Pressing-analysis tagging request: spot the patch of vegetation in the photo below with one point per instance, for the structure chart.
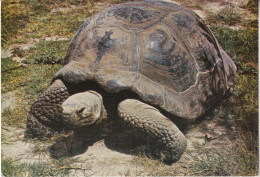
(191, 4)
(240, 45)
(59, 167)
(29, 82)
(242, 107)
(47, 52)
(152, 167)
(251, 24)
(12, 78)
(23, 77)
(213, 162)
(39, 7)
(26, 19)
(7, 63)
(221, 162)
(14, 18)
(61, 23)
(41, 148)
(17, 52)
(252, 5)
(225, 16)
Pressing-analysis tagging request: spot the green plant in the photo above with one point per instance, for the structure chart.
(60, 167)
(250, 24)
(152, 167)
(13, 19)
(26, 19)
(47, 52)
(40, 7)
(252, 5)
(213, 162)
(12, 78)
(241, 46)
(28, 83)
(17, 52)
(225, 16)
(7, 63)
(242, 107)
(40, 148)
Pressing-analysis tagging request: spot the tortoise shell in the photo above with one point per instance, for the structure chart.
(159, 50)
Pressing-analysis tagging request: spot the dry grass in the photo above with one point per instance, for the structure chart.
(252, 5)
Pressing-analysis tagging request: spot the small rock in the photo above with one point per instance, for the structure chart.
(63, 39)
(5, 53)
(18, 59)
(26, 46)
(8, 101)
(53, 38)
(200, 13)
(34, 40)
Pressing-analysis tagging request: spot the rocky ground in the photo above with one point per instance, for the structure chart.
(99, 160)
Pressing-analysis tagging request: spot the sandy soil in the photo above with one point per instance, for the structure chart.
(101, 160)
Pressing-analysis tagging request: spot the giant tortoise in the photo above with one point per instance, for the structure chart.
(147, 64)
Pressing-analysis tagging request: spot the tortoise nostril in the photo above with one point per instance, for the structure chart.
(84, 113)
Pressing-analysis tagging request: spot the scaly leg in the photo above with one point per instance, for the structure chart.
(151, 122)
(47, 111)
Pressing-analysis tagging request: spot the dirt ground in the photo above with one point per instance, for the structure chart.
(99, 160)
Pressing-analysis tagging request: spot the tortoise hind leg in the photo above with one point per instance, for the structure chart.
(147, 119)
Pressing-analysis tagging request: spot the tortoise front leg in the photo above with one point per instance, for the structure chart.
(47, 111)
(151, 122)
(57, 109)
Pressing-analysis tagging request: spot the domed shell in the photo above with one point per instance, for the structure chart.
(161, 51)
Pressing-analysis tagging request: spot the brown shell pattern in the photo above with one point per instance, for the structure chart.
(159, 50)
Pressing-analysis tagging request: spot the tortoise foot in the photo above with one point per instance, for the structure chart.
(36, 130)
